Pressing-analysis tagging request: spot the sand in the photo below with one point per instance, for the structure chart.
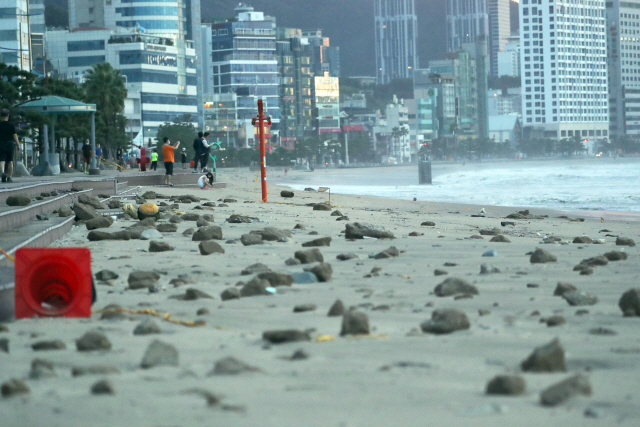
(397, 376)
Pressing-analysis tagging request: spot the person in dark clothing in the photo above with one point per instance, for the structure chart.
(86, 156)
(183, 157)
(197, 147)
(206, 149)
(8, 144)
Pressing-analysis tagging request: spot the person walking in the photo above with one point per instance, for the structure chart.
(154, 159)
(86, 156)
(206, 149)
(8, 142)
(98, 155)
(167, 154)
(184, 158)
(197, 147)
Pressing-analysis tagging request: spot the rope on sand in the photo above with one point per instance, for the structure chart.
(164, 316)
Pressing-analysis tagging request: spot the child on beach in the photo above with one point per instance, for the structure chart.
(184, 158)
(206, 181)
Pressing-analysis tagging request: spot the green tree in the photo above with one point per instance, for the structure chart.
(182, 131)
(360, 149)
(104, 86)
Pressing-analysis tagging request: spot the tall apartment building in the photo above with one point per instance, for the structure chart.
(467, 20)
(14, 34)
(326, 104)
(37, 32)
(623, 24)
(324, 57)
(149, 64)
(564, 68)
(396, 29)
(509, 58)
(244, 62)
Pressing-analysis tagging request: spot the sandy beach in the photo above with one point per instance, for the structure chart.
(397, 375)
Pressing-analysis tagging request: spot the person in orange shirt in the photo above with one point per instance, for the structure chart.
(167, 154)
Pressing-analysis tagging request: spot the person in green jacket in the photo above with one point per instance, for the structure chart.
(154, 159)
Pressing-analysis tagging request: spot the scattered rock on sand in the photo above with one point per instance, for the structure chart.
(190, 217)
(445, 321)
(390, 252)
(565, 389)
(276, 279)
(337, 309)
(193, 294)
(292, 261)
(151, 234)
(511, 385)
(147, 327)
(4, 345)
(321, 207)
(41, 368)
(301, 308)
(555, 321)
(428, 224)
(286, 193)
(630, 303)
(359, 230)
(304, 277)
(64, 212)
(255, 268)
(18, 200)
(578, 298)
(176, 219)
(159, 354)
(49, 345)
(500, 238)
(595, 261)
(201, 222)
(230, 293)
(231, 366)
(582, 239)
(454, 286)
(323, 241)
(309, 256)
(250, 239)
(96, 236)
(212, 232)
(142, 279)
(271, 234)
(495, 231)
(92, 201)
(103, 387)
(255, 287)
(540, 256)
(188, 232)
(414, 234)
(546, 358)
(209, 247)
(625, 241)
(285, 336)
(167, 228)
(336, 213)
(238, 219)
(323, 271)
(106, 275)
(525, 214)
(100, 222)
(299, 227)
(354, 323)
(488, 269)
(440, 272)
(562, 288)
(85, 212)
(616, 256)
(346, 257)
(14, 387)
(156, 246)
(92, 341)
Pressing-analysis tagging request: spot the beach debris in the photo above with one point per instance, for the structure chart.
(488, 269)
(231, 366)
(103, 387)
(146, 327)
(92, 201)
(271, 234)
(49, 345)
(41, 368)
(450, 264)
(428, 224)
(625, 241)
(546, 358)
(511, 385)
(445, 321)
(322, 241)
(322, 271)
(390, 252)
(276, 279)
(525, 214)
(286, 194)
(454, 286)
(250, 239)
(440, 272)
(208, 247)
(14, 387)
(228, 200)
(142, 279)
(230, 293)
(564, 390)
(359, 230)
(540, 256)
(148, 210)
(255, 287)
(630, 303)
(490, 253)
(309, 256)
(159, 354)
(354, 323)
(500, 239)
(505, 223)
(92, 341)
(156, 246)
(105, 275)
(337, 309)
(285, 335)
(562, 288)
(579, 298)
(301, 308)
(255, 268)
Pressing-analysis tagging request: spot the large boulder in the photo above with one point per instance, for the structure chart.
(211, 232)
(630, 302)
(100, 222)
(359, 230)
(546, 358)
(85, 212)
(92, 201)
(445, 321)
(454, 286)
(18, 200)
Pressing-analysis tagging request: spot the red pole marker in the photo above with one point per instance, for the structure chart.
(260, 120)
(143, 159)
(53, 282)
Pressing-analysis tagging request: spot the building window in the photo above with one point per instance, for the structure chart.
(80, 46)
(85, 61)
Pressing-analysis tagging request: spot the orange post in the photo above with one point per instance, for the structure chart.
(263, 159)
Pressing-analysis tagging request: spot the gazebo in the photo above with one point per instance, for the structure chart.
(60, 105)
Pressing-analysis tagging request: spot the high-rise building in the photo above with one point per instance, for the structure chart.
(14, 34)
(37, 32)
(326, 103)
(467, 20)
(324, 57)
(396, 28)
(509, 58)
(243, 60)
(564, 68)
(623, 23)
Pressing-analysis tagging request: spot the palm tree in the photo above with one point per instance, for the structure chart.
(104, 86)
(395, 134)
(404, 132)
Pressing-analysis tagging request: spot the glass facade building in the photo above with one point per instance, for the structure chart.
(396, 31)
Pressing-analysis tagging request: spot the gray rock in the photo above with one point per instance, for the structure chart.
(167, 228)
(625, 241)
(629, 303)
(150, 234)
(304, 278)
(337, 309)
(14, 387)
(323, 271)
(390, 252)
(271, 234)
(491, 253)
(202, 223)
(299, 354)
(251, 239)
(92, 201)
(309, 256)
(336, 213)
(255, 268)
(276, 279)
(562, 288)
(321, 207)
(238, 219)
(359, 230)
(78, 371)
(230, 293)
(190, 217)
(255, 287)
(156, 246)
(100, 222)
(428, 224)
(232, 366)
(85, 212)
(192, 294)
(147, 327)
(106, 275)
(18, 200)
(188, 232)
(440, 272)
(142, 279)
(176, 219)
(595, 261)
(323, 241)
(511, 385)
(299, 227)
(577, 298)
(488, 269)
(209, 204)
(454, 286)
(49, 345)
(103, 387)
(41, 368)
(286, 193)
(582, 240)
(292, 261)
(602, 331)
(354, 323)
(64, 212)
(301, 308)
(114, 204)
(209, 247)
(346, 257)
(490, 232)
(445, 321)
(159, 354)
(96, 236)
(540, 256)
(546, 358)
(566, 389)
(212, 232)
(92, 341)
(4, 345)
(230, 201)
(616, 256)
(555, 321)
(500, 239)
(285, 335)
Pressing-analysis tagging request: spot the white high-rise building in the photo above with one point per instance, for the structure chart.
(396, 33)
(564, 68)
(14, 34)
(623, 23)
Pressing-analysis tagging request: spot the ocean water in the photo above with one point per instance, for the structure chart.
(594, 184)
